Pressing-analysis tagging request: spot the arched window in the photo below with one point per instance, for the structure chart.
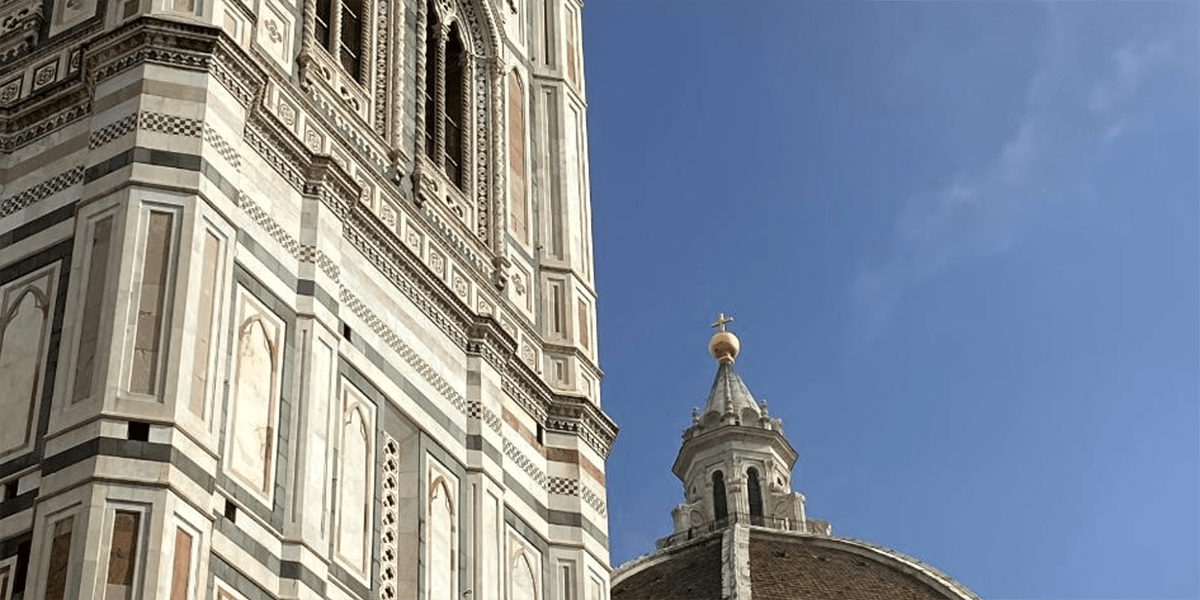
(445, 98)
(754, 493)
(339, 29)
(720, 504)
(433, 36)
(456, 59)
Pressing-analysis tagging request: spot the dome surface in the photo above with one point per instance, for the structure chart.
(688, 572)
(780, 565)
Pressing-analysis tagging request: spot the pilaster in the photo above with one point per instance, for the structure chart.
(735, 562)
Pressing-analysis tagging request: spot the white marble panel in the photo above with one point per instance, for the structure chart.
(253, 415)
(24, 329)
(356, 468)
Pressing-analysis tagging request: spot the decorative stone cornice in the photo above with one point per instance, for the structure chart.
(27, 122)
(283, 153)
(529, 391)
(176, 44)
(728, 434)
(465, 248)
(490, 341)
(580, 416)
(396, 262)
(20, 23)
(238, 73)
(332, 184)
(581, 356)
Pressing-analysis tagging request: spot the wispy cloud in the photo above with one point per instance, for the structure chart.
(985, 212)
(1131, 62)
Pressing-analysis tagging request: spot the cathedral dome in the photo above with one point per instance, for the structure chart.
(743, 532)
(780, 565)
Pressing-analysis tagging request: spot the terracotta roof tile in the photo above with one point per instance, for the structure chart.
(691, 573)
(798, 568)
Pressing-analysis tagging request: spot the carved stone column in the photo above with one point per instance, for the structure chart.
(439, 97)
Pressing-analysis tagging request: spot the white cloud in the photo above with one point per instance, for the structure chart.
(1131, 63)
(985, 212)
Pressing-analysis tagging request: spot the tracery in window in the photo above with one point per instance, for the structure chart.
(254, 404)
(524, 582)
(432, 43)
(445, 97)
(23, 334)
(453, 107)
(339, 29)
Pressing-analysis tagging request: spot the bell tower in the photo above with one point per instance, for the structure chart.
(735, 463)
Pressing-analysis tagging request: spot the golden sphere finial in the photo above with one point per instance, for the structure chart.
(723, 345)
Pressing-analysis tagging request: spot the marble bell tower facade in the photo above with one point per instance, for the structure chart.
(296, 301)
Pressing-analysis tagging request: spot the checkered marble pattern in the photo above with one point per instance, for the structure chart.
(563, 486)
(476, 410)
(105, 135)
(40, 191)
(514, 454)
(307, 253)
(286, 168)
(169, 124)
(223, 148)
(492, 419)
(312, 254)
(262, 219)
(405, 351)
(593, 499)
(326, 264)
(566, 486)
(150, 121)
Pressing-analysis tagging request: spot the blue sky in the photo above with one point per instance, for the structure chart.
(960, 241)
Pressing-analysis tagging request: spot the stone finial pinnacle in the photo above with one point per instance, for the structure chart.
(723, 345)
(722, 320)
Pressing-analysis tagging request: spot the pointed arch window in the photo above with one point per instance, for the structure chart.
(339, 29)
(446, 85)
(720, 503)
(754, 494)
